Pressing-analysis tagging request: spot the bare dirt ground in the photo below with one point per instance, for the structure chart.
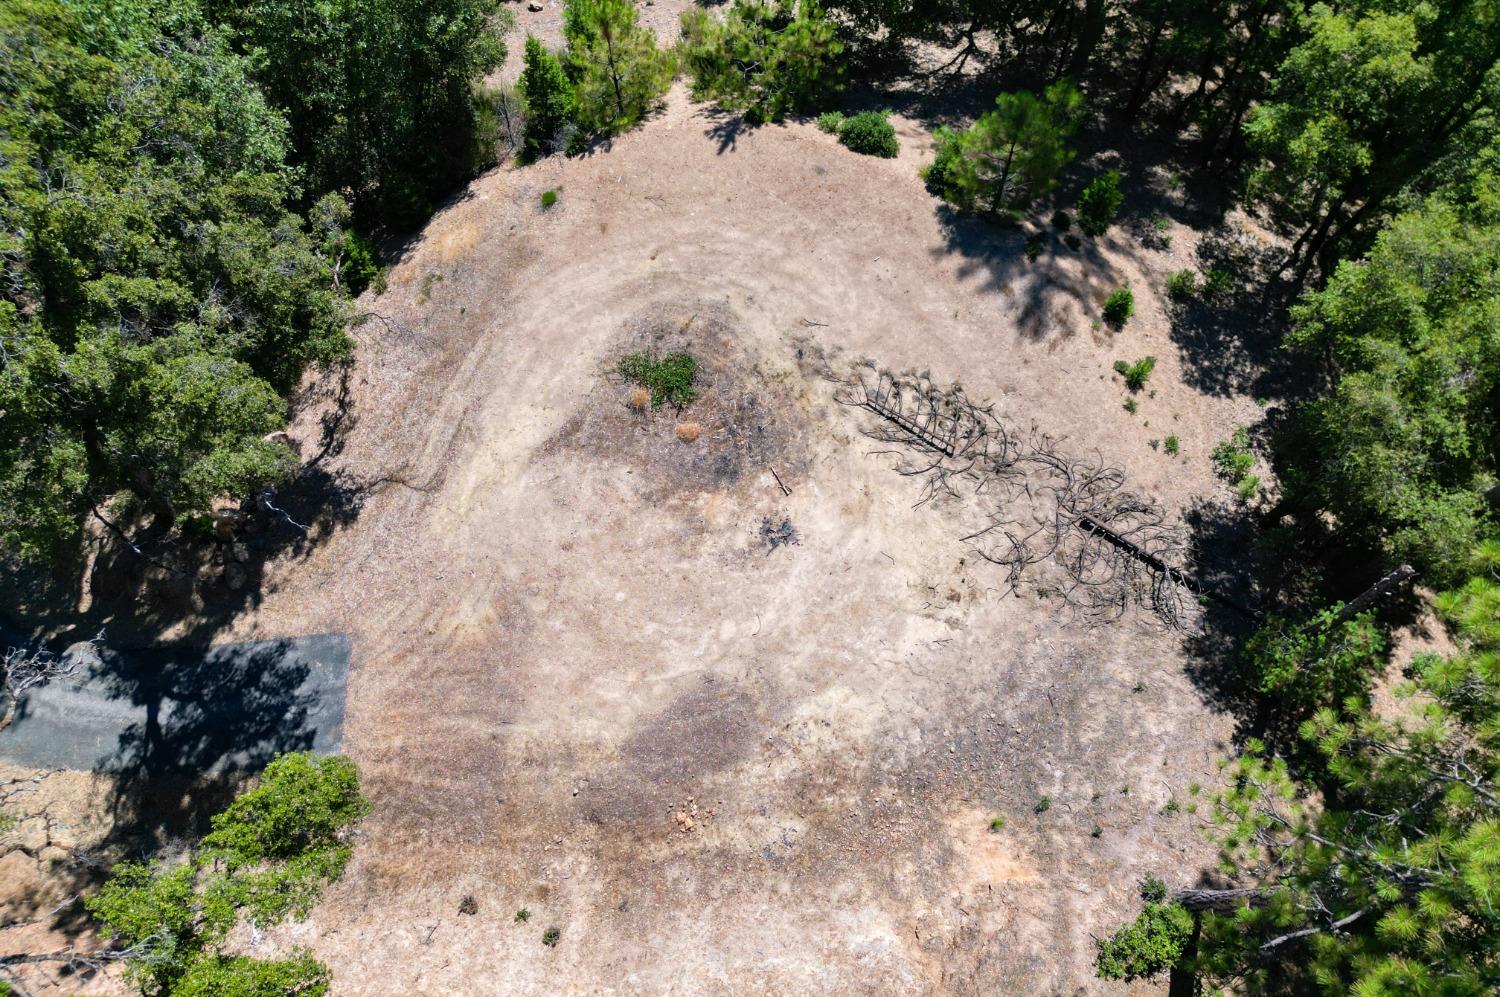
(582, 684)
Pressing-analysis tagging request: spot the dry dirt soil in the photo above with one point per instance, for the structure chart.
(584, 686)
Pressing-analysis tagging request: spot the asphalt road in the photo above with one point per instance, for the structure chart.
(228, 707)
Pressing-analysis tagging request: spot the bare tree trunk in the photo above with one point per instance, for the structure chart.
(1372, 595)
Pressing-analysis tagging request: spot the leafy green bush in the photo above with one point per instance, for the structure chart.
(1061, 220)
(1119, 306)
(669, 378)
(1042, 805)
(1216, 281)
(1136, 374)
(1099, 203)
(764, 57)
(549, 198)
(1151, 944)
(617, 72)
(548, 98)
(871, 134)
(1182, 285)
(1172, 445)
(1232, 457)
(831, 121)
(1033, 248)
(269, 854)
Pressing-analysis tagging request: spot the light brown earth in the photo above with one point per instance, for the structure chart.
(582, 685)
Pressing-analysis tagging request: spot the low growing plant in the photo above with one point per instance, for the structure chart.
(1151, 944)
(1136, 374)
(669, 378)
(869, 133)
(1099, 204)
(831, 121)
(1171, 445)
(1182, 285)
(1119, 306)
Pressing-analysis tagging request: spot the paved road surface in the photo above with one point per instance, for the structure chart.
(230, 707)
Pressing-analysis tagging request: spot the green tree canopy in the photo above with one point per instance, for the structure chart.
(767, 58)
(158, 296)
(1011, 155)
(618, 73)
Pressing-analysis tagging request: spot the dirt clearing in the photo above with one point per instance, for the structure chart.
(586, 684)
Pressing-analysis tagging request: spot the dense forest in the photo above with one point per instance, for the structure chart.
(192, 197)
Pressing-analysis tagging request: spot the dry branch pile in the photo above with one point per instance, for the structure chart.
(1039, 504)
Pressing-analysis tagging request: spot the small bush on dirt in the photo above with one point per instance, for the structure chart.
(831, 121)
(669, 378)
(1033, 248)
(549, 198)
(1042, 805)
(688, 432)
(1061, 220)
(1233, 461)
(551, 937)
(1216, 281)
(1152, 943)
(1099, 203)
(1136, 374)
(1119, 306)
(523, 915)
(1172, 445)
(547, 97)
(1182, 285)
(1131, 406)
(997, 823)
(869, 132)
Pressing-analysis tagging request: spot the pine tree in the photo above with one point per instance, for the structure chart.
(617, 71)
(549, 101)
(1011, 155)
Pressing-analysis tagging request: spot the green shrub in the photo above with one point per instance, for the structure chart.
(1042, 805)
(669, 378)
(1247, 487)
(1182, 285)
(1061, 220)
(1099, 203)
(548, 98)
(1216, 281)
(1172, 445)
(269, 854)
(1131, 406)
(1151, 944)
(1314, 663)
(997, 823)
(1136, 374)
(551, 937)
(549, 198)
(831, 121)
(938, 175)
(1232, 457)
(1119, 306)
(871, 134)
(1033, 248)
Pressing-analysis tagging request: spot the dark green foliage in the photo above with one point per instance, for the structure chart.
(1011, 155)
(1042, 805)
(379, 94)
(829, 121)
(1061, 220)
(1151, 944)
(617, 72)
(1099, 203)
(549, 198)
(1119, 306)
(1402, 449)
(1182, 285)
(1136, 374)
(548, 98)
(1171, 445)
(1232, 458)
(764, 57)
(268, 855)
(1314, 663)
(551, 937)
(870, 133)
(159, 296)
(1033, 248)
(669, 378)
(522, 916)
